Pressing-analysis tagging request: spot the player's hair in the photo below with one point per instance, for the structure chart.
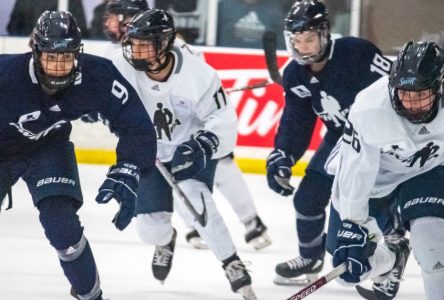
(157, 27)
(307, 15)
(124, 9)
(56, 32)
(418, 67)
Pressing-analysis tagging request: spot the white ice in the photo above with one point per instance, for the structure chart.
(29, 268)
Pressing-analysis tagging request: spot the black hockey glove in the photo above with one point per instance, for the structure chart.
(279, 166)
(192, 156)
(121, 184)
(354, 247)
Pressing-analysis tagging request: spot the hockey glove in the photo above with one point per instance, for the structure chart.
(354, 247)
(279, 166)
(121, 184)
(192, 156)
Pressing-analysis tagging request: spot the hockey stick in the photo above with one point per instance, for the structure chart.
(269, 44)
(250, 87)
(319, 283)
(201, 218)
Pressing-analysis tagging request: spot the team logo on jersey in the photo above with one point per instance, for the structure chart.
(421, 156)
(331, 110)
(36, 136)
(163, 122)
(29, 117)
(301, 91)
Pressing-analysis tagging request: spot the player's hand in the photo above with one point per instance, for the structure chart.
(192, 156)
(279, 172)
(353, 247)
(121, 184)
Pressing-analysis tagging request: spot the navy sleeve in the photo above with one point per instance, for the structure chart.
(369, 64)
(128, 119)
(297, 123)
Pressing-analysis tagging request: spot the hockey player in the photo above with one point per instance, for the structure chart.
(117, 15)
(393, 148)
(184, 97)
(322, 81)
(228, 178)
(41, 92)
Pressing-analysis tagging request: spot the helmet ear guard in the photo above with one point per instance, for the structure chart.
(56, 32)
(418, 67)
(308, 15)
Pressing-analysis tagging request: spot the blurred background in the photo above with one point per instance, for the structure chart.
(240, 23)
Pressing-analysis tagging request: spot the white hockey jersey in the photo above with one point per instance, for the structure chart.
(379, 150)
(190, 100)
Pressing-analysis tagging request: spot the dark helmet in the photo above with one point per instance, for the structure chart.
(156, 26)
(418, 67)
(56, 31)
(124, 9)
(307, 15)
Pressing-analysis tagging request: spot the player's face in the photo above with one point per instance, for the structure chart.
(57, 64)
(417, 101)
(143, 49)
(146, 49)
(306, 43)
(115, 24)
(111, 23)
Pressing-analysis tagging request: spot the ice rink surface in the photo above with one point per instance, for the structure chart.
(29, 268)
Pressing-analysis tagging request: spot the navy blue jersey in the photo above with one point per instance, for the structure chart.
(30, 119)
(352, 65)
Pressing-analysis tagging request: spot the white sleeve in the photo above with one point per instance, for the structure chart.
(218, 116)
(356, 172)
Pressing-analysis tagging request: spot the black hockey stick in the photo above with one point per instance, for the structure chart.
(201, 218)
(269, 44)
(319, 283)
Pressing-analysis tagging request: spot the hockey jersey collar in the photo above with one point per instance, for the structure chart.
(179, 60)
(332, 47)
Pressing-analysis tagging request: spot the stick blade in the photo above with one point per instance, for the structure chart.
(366, 293)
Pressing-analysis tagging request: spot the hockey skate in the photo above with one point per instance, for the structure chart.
(74, 294)
(388, 288)
(240, 280)
(193, 238)
(256, 234)
(163, 259)
(298, 271)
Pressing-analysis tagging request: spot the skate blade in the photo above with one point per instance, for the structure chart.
(298, 281)
(247, 293)
(260, 242)
(198, 243)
